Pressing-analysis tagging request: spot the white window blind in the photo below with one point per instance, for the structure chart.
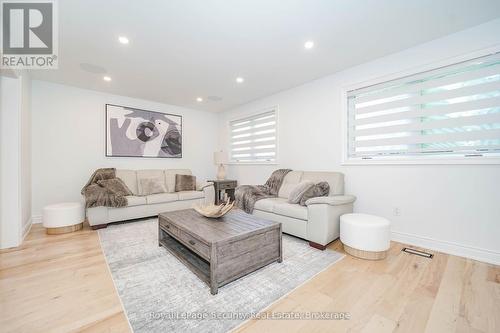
(254, 139)
(452, 111)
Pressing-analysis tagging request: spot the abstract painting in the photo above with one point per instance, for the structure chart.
(134, 132)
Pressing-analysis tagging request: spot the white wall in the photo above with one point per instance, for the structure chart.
(15, 158)
(453, 208)
(10, 161)
(69, 140)
(25, 135)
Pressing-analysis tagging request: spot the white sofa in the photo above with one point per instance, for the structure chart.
(318, 221)
(150, 205)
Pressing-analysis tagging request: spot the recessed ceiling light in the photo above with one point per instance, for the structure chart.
(107, 78)
(309, 44)
(123, 40)
(199, 99)
(239, 79)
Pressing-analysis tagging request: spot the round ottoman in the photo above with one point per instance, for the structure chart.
(365, 236)
(63, 217)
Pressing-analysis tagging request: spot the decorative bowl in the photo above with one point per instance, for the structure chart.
(214, 211)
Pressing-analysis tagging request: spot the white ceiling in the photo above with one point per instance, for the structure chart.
(182, 49)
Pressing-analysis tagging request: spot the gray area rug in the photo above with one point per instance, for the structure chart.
(159, 292)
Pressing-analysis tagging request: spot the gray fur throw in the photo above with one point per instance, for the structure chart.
(247, 195)
(321, 189)
(116, 186)
(97, 193)
(100, 174)
(274, 182)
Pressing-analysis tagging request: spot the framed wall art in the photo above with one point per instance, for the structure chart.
(132, 132)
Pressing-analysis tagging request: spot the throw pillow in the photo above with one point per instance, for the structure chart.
(115, 186)
(321, 189)
(298, 191)
(185, 183)
(152, 186)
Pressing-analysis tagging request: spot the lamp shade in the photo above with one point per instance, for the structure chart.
(220, 157)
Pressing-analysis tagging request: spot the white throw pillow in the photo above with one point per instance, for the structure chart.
(152, 186)
(298, 191)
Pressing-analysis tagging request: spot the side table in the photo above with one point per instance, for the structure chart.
(224, 185)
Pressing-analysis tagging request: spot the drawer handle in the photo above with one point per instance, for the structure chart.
(191, 242)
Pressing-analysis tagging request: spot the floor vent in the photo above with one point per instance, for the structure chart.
(417, 252)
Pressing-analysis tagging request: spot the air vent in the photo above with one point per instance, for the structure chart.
(94, 69)
(417, 252)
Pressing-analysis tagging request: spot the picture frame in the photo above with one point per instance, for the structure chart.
(134, 132)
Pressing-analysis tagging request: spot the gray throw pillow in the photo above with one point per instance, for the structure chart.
(321, 189)
(298, 191)
(185, 183)
(152, 186)
(115, 186)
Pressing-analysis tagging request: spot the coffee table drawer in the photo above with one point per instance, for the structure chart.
(194, 244)
(169, 227)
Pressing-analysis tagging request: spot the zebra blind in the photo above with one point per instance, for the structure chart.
(253, 139)
(451, 111)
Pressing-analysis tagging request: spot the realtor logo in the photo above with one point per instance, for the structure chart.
(29, 33)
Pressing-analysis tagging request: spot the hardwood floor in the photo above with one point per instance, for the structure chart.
(60, 283)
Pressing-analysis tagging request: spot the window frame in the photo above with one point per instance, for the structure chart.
(249, 115)
(408, 159)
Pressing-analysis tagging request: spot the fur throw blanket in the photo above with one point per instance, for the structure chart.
(99, 191)
(247, 195)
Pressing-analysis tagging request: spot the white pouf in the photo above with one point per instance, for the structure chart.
(63, 217)
(365, 236)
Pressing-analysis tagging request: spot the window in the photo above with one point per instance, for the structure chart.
(449, 112)
(254, 139)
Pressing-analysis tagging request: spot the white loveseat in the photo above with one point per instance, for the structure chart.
(150, 205)
(318, 221)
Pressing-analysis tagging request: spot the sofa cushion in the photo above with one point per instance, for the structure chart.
(170, 177)
(299, 190)
(185, 183)
(189, 195)
(149, 174)
(289, 182)
(267, 204)
(291, 210)
(334, 179)
(134, 200)
(129, 177)
(115, 186)
(161, 198)
(150, 186)
(320, 189)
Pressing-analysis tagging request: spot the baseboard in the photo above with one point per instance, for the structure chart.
(471, 252)
(26, 229)
(35, 219)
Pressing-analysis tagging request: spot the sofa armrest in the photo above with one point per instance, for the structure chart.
(336, 200)
(323, 214)
(208, 191)
(202, 186)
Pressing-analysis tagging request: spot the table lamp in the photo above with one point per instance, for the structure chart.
(220, 158)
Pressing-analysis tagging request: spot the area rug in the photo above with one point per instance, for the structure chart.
(160, 294)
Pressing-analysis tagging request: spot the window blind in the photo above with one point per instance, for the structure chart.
(450, 111)
(253, 139)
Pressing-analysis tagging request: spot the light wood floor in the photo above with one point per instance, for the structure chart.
(58, 283)
(61, 283)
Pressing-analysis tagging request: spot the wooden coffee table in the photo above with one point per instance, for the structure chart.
(220, 250)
